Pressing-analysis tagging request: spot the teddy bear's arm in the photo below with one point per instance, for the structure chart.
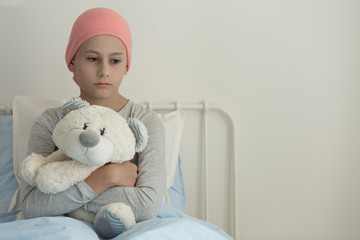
(56, 177)
(32, 163)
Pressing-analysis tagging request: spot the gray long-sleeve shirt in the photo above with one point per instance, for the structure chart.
(144, 199)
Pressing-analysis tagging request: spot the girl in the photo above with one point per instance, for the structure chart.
(99, 55)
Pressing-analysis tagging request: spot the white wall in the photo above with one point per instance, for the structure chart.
(287, 69)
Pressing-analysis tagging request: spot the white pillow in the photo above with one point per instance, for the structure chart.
(26, 109)
(173, 123)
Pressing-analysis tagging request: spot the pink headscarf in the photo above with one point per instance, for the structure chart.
(98, 21)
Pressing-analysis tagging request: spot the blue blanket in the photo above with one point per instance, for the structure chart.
(170, 224)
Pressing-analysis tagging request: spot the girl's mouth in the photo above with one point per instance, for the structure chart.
(102, 84)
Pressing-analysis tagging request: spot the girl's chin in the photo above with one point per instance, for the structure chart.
(99, 95)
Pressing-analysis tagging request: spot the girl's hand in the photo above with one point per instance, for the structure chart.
(113, 174)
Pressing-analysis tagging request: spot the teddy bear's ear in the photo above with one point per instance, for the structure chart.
(74, 103)
(140, 133)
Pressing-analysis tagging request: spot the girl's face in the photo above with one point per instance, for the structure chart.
(99, 67)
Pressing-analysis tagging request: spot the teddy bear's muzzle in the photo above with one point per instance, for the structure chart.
(89, 138)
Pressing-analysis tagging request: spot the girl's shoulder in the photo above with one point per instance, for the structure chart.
(147, 116)
(135, 110)
(49, 118)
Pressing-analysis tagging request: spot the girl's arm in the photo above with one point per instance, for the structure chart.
(113, 175)
(35, 203)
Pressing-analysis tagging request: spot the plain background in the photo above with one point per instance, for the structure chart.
(288, 70)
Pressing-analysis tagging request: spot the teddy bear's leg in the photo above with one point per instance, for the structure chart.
(82, 214)
(113, 219)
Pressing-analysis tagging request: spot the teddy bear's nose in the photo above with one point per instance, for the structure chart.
(89, 138)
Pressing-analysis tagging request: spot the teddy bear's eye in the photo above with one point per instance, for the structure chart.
(102, 131)
(85, 126)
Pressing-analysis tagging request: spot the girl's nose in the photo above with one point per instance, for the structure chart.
(104, 70)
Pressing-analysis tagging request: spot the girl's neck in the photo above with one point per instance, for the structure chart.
(116, 103)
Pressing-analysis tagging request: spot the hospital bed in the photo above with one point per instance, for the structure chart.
(200, 200)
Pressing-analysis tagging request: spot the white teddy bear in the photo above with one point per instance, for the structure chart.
(87, 137)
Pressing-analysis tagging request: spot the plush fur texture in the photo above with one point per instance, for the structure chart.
(87, 137)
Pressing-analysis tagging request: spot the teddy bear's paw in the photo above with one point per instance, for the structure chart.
(114, 219)
(30, 167)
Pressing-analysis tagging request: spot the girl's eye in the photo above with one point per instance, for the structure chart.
(102, 131)
(115, 61)
(92, 59)
(85, 126)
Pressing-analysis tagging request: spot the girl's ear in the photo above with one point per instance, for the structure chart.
(126, 70)
(72, 67)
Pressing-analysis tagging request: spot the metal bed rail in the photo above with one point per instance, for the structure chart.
(6, 109)
(205, 108)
